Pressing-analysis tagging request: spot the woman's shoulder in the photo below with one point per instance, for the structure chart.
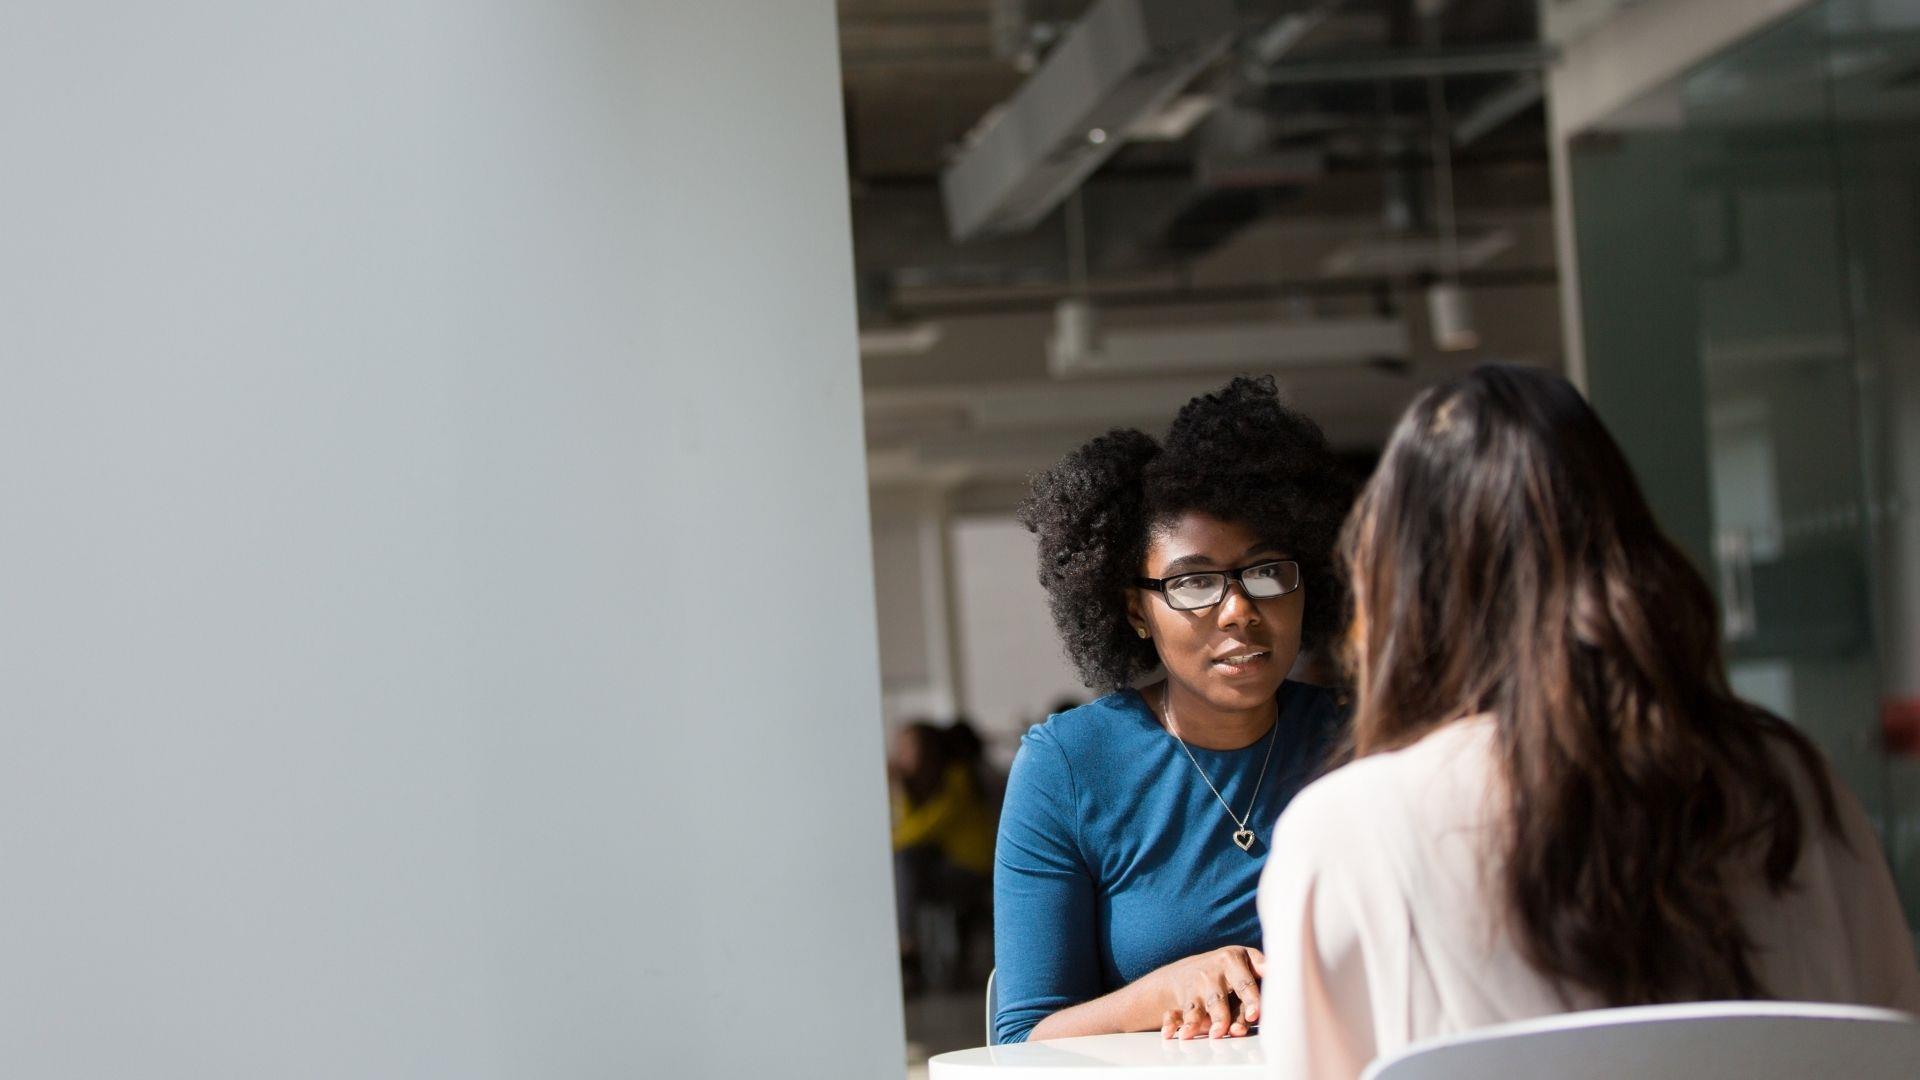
(1370, 832)
(1066, 758)
(1087, 748)
(1098, 722)
(1431, 782)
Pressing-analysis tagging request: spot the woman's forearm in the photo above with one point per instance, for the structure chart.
(1220, 989)
(1125, 1009)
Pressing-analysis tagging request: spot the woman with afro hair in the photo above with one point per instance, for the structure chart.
(1185, 577)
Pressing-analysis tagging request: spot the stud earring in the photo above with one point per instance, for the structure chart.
(1141, 630)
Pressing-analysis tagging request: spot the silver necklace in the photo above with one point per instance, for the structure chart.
(1241, 834)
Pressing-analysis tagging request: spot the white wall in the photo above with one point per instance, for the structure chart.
(914, 608)
(435, 610)
(1012, 664)
(963, 620)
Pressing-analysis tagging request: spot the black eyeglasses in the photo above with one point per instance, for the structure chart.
(1191, 592)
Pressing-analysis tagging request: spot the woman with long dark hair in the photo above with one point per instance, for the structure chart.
(1555, 802)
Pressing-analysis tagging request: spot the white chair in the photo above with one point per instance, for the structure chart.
(1719, 1040)
(993, 1006)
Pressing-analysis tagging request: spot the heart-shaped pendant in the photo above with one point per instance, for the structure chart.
(1244, 838)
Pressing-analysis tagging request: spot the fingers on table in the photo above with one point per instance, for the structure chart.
(1193, 1018)
(1207, 1012)
(1219, 1011)
(1225, 1002)
(1243, 979)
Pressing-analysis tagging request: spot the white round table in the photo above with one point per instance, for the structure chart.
(1141, 1055)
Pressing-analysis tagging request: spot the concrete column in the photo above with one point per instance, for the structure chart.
(435, 604)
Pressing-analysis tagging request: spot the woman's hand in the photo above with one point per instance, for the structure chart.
(1211, 995)
(1214, 994)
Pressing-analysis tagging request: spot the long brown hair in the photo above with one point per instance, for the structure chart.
(1504, 561)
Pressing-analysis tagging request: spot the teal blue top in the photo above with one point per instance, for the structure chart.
(1115, 859)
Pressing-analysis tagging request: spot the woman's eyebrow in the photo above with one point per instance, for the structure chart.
(1185, 562)
(1188, 562)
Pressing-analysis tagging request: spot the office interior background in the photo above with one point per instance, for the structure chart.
(483, 483)
(1703, 212)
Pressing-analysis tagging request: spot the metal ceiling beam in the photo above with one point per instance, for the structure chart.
(1499, 107)
(1491, 60)
(1043, 298)
(1120, 62)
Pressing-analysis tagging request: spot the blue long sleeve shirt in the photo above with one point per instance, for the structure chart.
(1115, 859)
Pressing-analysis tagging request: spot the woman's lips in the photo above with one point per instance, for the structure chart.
(1242, 663)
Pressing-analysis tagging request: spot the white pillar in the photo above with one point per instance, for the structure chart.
(435, 606)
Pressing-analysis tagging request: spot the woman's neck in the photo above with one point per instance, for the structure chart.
(1200, 724)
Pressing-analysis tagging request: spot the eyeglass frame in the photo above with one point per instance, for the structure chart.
(1232, 577)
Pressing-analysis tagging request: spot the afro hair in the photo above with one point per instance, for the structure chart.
(1238, 455)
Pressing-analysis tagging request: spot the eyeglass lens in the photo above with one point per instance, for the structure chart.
(1263, 582)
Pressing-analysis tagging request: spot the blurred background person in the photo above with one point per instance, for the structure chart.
(969, 752)
(942, 847)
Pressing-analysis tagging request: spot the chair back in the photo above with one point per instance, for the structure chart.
(1721, 1040)
(993, 1006)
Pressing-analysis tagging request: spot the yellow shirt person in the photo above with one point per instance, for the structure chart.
(955, 821)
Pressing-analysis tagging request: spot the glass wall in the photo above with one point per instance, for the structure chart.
(1749, 247)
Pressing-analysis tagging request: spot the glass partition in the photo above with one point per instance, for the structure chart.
(1749, 247)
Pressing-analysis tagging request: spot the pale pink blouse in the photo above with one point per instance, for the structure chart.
(1380, 913)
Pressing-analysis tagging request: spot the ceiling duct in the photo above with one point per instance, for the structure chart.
(1122, 62)
(1238, 176)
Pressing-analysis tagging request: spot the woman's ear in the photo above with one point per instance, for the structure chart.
(1136, 614)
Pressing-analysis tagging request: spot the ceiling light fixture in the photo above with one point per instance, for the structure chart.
(1450, 317)
(1080, 347)
(911, 339)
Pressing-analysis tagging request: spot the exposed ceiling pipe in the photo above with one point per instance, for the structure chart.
(1449, 313)
(1497, 108)
(1046, 298)
(1496, 60)
(1010, 27)
(1283, 34)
